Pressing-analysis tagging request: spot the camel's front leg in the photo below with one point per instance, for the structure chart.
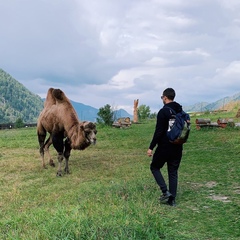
(67, 151)
(57, 140)
(60, 158)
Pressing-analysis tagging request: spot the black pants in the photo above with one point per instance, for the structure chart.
(171, 156)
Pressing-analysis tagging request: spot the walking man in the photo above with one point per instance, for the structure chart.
(166, 152)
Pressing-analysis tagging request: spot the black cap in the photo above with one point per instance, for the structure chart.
(169, 93)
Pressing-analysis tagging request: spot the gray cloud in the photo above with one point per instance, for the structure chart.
(113, 52)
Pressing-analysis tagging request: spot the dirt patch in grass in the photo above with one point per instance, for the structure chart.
(214, 197)
(237, 190)
(224, 199)
(211, 184)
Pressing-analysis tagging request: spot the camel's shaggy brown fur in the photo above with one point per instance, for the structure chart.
(60, 120)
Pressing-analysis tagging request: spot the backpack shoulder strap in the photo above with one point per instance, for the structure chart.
(170, 109)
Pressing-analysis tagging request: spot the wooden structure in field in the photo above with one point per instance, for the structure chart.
(122, 123)
(221, 122)
(135, 111)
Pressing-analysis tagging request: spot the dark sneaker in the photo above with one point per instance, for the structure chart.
(165, 196)
(171, 202)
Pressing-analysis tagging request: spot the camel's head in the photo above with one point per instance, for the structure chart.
(90, 131)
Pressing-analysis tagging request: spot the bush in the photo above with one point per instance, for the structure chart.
(19, 123)
(106, 115)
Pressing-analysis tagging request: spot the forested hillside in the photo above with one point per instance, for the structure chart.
(16, 101)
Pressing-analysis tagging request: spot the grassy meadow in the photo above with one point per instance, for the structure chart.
(111, 194)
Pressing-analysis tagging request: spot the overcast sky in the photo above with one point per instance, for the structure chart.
(114, 51)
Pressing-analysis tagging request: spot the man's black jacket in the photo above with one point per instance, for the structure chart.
(160, 134)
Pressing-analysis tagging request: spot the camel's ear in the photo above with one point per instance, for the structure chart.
(89, 125)
(92, 125)
(81, 127)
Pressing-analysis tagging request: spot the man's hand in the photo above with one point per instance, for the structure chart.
(149, 152)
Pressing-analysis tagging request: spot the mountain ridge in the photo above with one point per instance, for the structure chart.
(16, 101)
(217, 105)
(89, 113)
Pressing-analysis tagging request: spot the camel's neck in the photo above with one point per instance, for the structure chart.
(69, 118)
(77, 137)
(71, 125)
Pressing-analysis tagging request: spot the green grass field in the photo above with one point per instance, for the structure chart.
(111, 194)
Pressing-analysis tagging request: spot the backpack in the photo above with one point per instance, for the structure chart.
(178, 127)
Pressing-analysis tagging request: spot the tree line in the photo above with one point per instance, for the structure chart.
(106, 114)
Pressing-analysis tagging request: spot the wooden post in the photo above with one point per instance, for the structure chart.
(135, 111)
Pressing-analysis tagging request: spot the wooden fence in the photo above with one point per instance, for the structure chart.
(11, 125)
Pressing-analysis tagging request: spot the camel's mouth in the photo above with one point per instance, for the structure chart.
(91, 140)
(90, 135)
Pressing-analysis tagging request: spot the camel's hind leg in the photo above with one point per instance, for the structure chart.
(46, 150)
(41, 139)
